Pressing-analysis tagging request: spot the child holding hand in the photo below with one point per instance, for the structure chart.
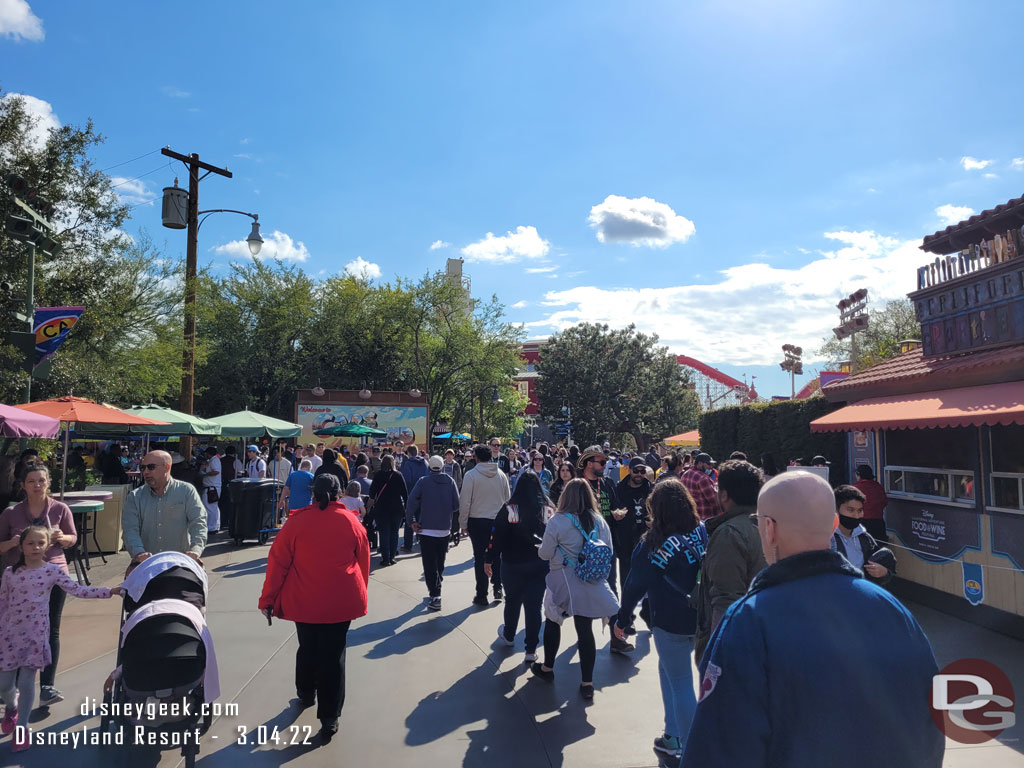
(25, 625)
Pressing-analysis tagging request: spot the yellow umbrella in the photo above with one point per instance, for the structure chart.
(691, 438)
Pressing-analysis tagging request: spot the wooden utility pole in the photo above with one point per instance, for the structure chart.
(188, 368)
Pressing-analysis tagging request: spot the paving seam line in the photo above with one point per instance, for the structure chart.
(515, 693)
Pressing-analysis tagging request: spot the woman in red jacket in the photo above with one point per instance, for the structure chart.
(317, 572)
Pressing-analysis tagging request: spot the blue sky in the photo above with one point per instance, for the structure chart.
(720, 172)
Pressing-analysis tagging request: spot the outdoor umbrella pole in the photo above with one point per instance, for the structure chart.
(64, 462)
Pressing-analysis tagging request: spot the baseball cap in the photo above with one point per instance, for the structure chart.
(252, 448)
(636, 461)
(703, 457)
(436, 463)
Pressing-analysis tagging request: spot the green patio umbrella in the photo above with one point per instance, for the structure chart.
(251, 424)
(350, 430)
(178, 423)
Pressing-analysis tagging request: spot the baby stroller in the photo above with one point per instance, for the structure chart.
(163, 680)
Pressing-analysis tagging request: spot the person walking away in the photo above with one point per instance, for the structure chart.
(576, 526)
(163, 514)
(413, 468)
(592, 463)
(484, 491)
(875, 502)
(318, 569)
(853, 542)
(431, 512)
(518, 530)
(353, 499)
(211, 473)
(734, 554)
(298, 488)
(700, 485)
(666, 563)
(39, 508)
(330, 465)
(363, 478)
(389, 496)
(230, 468)
(798, 660)
(25, 598)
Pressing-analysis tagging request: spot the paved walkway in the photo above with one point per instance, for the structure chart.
(423, 688)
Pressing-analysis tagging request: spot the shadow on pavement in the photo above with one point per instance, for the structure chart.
(418, 635)
(242, 569)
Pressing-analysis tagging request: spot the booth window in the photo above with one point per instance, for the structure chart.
(931, 464)
(1007, 476)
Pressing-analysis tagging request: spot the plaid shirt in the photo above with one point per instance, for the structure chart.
(704, 493)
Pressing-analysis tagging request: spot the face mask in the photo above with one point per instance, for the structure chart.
(849, 523)
(709, 472)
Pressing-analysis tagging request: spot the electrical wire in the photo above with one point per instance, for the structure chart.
(118, 165)
(141, 175)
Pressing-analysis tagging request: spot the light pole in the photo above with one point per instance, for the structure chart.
(793, 364)
(852, 320)
(174, 217)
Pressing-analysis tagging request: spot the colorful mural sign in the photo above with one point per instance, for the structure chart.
(51, 326)
(405, 425)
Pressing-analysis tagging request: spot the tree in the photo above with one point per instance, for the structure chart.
(887, 327)
(119, 350)
(614, 381)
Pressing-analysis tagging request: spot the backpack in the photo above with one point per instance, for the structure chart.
(595, 560)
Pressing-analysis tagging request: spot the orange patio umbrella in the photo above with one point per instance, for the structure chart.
(78, 410)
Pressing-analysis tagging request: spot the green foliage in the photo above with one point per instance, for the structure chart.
(780, 428)
(614, 381)
(887, 327)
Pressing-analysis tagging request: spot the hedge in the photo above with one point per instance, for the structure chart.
(780, 428)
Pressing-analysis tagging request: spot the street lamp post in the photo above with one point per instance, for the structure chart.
(852, 320)
(173, 219)
(793, 364)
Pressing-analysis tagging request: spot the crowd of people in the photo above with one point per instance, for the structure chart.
(746, 573)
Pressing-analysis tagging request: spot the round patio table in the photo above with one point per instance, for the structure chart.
(80, 511)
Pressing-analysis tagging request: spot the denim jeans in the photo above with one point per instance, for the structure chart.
(524, 588)
(675, 661)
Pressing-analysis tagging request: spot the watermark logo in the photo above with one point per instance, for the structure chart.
(972, 701)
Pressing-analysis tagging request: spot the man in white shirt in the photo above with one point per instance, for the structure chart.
(212, 482)
(314, 459)
(280, 467)
(255, 467)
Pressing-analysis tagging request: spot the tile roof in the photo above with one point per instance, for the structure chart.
(1009, 214)
(912, 367)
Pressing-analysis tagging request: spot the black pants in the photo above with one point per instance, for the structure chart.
(57, 597)
(433, 550)
(387, 530)
(320, 666)
(480, 535)
(407, 537)
(584, 644)
(524, 588)
(876, 528)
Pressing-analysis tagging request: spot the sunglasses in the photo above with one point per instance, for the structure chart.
(639, 471)
(149, 467)
(600, 462)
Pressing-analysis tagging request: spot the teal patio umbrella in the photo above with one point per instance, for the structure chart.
(251, 424)
(350, 430)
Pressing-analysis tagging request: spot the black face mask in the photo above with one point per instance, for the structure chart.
(849, 523)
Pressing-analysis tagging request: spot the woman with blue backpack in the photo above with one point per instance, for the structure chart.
(578, 544)
(665, 566)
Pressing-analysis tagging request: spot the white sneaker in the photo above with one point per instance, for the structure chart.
(504, 640)
(529, 658)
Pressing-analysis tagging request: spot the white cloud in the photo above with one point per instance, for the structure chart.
(438, 245)
(524, 243)
(991, 175)
(132, 191)
(41, 113)
(361, 268)
(539, 270)
(756, 301)
(520, 304)
(639, 221)
(276, 245)
(973, 164)
(17, 21)
(1017, 164)
(174, 92)
(953, 214)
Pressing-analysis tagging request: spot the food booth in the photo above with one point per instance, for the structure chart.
(942, 425)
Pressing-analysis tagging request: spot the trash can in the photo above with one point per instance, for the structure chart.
(253, 503)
